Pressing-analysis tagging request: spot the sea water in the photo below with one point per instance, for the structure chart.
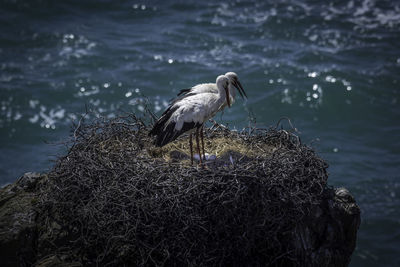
(332, 67)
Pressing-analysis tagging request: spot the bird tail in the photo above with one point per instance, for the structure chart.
(165, 131)
(169, 133)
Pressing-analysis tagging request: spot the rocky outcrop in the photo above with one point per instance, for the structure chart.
(18, 228)
(114, 199)
(327, 238)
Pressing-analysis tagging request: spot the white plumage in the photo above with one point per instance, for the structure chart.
(234, 84)
(193, 107)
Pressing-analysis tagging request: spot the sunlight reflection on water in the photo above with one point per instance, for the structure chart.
(332, 67)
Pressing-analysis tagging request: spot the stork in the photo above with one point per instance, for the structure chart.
(189, 112)
(234, 84)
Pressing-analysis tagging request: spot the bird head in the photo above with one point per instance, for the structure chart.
(233, 79)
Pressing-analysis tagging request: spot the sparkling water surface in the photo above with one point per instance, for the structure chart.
(332, 67)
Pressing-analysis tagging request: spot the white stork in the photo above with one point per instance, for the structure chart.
(190, 112)
(234, 84)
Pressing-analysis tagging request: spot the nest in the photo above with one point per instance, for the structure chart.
(119, 200)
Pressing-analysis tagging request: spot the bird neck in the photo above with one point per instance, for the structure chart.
(232, 91)
(221, 91)
(221, 101)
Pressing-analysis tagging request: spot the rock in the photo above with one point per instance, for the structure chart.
(329, 237)
(18, 231)
(115, 200)
(326, 239)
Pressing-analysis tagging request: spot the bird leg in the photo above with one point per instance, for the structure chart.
(191, 147)
(198, 145)
(202, 142)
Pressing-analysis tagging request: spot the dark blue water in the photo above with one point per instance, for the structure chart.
(333, 67)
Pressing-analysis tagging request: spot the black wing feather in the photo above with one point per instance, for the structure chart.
(180, 97)
(166, 133)
(184, 91)
(159, 125)
(169, 134)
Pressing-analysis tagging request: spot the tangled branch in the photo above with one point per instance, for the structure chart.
(118, 204)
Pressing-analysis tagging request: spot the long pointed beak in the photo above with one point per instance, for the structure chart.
(228, 100)
(239, 87)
